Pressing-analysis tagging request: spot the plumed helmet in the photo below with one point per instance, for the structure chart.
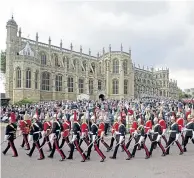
(26, 116)
(189, 116)
(35, 116)
(155, 120)
(47, 118)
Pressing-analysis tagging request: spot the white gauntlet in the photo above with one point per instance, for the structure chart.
(43, 133)
(177, 137)
(52, 137)
(102, 134)
(141, 139)
(93, 138)
(121, 139)
(83, 135)
(30, 138)
(164, 130)
(158, 138)
(6, 137)
(74, 138)
(193, 135)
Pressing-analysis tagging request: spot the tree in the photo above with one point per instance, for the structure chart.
(3, 61)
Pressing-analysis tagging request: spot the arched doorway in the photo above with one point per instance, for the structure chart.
(101, 97)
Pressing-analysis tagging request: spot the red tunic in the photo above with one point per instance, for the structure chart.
(84, 128)
(66, 129)
(133, 127)
(148, 126)
(101, 128)
(180, 122)
(25, 126)
(47, 126)
(115, 127)
(130, 112)
(162, 124)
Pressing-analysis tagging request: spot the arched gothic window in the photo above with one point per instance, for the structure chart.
(68, 64)
(91, 87)
(115, 66)
(99, 85)
(18, 78)
(43, 58)
(84, 66)
(36, 80)
(55, 56)
(125, 66)
(58, 83)
(115, 86)
(125, 87)
(70, 84)
(100, 68)
(45, 81)
(81, 85)
(93, 66)
(28, 78)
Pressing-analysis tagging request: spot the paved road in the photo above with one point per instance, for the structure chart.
(170, 166)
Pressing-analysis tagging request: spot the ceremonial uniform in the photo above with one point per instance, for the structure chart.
(84, 134)
(25, 129)
(75, 141)
(163, 127)
(157, 134)
(120, 138)
(65, 135)
(132, 130)
(101, 131)
(174, 135)
(180, 122)
(115, 128)
(148, 127)
(139, 139)
(55, 134)
(10, 135)
(46, 131)
(94, 139)
(35, 135)
(189, 129)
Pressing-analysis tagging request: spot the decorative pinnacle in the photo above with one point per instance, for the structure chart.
(121, 47)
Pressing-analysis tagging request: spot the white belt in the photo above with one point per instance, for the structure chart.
(36, 132)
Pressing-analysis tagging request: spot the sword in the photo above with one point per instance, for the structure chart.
(91, 144)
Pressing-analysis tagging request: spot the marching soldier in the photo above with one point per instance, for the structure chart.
(65, 133)
(180, 122)
(115, 129)
(94, 140)
(148, 127)
(163, 126)
(101, 132)
(35, 136)
(75, 140)
(46, 131)
(189, 129)
(157, 134)
(10, 135)
(25, 129)
(139, 137)
(120, 138)
(55, 133)
(84, 131)
(174, 136)
(132, 130)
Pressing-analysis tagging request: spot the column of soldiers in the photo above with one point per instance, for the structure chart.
(91, 131)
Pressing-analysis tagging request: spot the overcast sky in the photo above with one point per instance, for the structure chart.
(160, 34)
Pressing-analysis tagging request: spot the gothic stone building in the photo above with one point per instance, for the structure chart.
(43, 72)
